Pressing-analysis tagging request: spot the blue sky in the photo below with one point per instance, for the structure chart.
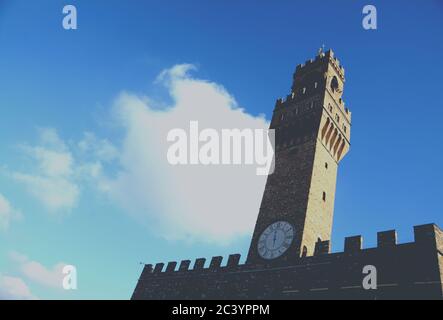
(58, 87)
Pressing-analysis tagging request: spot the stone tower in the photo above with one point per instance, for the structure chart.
(286, 260)
(312, 128)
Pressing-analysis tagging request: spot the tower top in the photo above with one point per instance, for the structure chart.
(321, 58)
(323, 74)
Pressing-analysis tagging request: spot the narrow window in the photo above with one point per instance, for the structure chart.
(315, 85)
(304, 252)
(326, 165)
(304, 90)
(324, 196)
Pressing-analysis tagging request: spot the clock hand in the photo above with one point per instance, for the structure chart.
(275, 238)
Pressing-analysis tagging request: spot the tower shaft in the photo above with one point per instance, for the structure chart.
(312, 128)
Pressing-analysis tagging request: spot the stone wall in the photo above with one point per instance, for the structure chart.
(404, 271)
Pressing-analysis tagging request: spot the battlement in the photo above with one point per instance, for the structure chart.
(424, 235)
(321, 58)
(199, 265)
(322, 275)
(284, 101)
(312, 81)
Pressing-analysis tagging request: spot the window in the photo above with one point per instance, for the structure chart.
(315, 85)
(330, 108)
(326, 165)
(324, 196)
(304, 252)
(337, 117)
(345, 129)
(304, 90)
(334, 84)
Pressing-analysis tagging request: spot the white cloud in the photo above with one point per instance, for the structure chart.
(7, 213)
(99, 149)
(53, 180)
(38, 273)
(14, 288)
(214, 203)
(29, 272)
(55, 193)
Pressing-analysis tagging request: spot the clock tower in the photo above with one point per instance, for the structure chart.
(312, 130)
(312, 134)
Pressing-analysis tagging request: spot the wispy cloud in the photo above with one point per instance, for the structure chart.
(213, 203)
(52, 180)
(14, 288)
(7, 213)
(29, 272)
(37, 273)
(97, 149)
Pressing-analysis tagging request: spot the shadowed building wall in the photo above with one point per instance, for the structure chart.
(404, 271)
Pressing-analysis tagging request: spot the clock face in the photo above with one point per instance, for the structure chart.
(275, 240)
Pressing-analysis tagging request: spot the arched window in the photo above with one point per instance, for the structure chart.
(334, 84)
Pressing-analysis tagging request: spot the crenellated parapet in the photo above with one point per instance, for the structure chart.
(184, 266)
(425, 235)
(319, 59)
(315, 106)
(412, 270)
(323, 274)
